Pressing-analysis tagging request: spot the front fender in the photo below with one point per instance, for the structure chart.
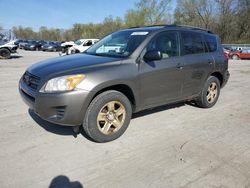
(112, 76)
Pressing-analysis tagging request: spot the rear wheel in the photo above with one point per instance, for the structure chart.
(5, 53)
(210, 93)
(235, 57)
(108, 116)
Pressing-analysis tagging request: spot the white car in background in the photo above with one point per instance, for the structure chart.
(84, 45)
(6, 49)
(66, 45)
(7, 44)
(76, 47)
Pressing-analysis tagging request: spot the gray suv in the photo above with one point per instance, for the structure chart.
(126, 72)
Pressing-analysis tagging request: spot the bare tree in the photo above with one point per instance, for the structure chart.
(226, 23)
(195, 12)
(148, 12)
(243, 20)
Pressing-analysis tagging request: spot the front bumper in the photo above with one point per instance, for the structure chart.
(67, 108)
(14, 49)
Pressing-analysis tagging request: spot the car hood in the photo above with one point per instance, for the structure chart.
(68, 43)
(67, 64)
(7, 45)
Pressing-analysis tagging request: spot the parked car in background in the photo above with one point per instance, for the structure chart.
(147, 67)
(243, 54)
(51, 46)
(33, 45)
(226, 52)
(22, 44)
(18, 41)
(7, 44)
(67, 45)
(226, 55)
(85, 44)
(7, 49)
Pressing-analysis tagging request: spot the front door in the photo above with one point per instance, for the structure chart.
(161, 80)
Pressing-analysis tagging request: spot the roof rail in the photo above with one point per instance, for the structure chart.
(190, 27)
(163, 25)
(173, 25)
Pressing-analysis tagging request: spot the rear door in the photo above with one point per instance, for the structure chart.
(197, 63)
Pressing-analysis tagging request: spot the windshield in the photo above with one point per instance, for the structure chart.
(78, 42)
(119, 44)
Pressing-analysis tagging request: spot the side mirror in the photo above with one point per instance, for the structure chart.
(153, 55)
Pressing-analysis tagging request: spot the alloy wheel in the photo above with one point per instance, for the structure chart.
(111, 117)
(212, 92)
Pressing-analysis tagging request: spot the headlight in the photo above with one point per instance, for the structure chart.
(32, 46)
(64, 83)
(50, 47)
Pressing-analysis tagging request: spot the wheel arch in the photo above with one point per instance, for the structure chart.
(6, 49)
(219, 76)
(123, 88)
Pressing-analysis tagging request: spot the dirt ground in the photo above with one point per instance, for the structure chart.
(171, 146)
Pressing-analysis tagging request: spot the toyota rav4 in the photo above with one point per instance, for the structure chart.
(126, 72)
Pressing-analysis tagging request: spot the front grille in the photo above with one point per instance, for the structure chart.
(31, 80)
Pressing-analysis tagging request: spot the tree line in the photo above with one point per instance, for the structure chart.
(227, 18)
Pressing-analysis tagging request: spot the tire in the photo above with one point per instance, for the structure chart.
(99, 116)
(5, 53)
(235, 57)
(68, 51)
(210, 93)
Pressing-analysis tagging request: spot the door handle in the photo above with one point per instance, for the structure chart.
(179, 66)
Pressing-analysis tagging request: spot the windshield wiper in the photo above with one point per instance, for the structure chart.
(105, 55)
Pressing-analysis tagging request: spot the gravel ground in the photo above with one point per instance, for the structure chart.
(171, 146)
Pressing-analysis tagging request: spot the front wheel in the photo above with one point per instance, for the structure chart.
(4, 53)
(107, 116)
(210, 93)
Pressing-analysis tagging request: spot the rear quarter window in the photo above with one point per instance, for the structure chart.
(211, 43)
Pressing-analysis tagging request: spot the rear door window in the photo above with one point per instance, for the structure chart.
(211, 43)
(192, 43)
